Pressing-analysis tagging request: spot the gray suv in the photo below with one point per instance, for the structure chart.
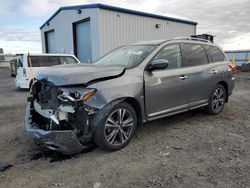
(73, 106)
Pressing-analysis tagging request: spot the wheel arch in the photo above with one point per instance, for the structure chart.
(132, 102)
(225, 85)
(136, 105)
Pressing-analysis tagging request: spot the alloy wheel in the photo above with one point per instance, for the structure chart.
(218, 99)
(118, 127)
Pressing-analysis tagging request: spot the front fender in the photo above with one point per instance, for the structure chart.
(96, 121)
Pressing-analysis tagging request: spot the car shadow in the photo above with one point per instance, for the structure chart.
(20, 90)
(170, 121)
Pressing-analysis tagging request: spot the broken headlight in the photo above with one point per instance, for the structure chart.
(76, 96)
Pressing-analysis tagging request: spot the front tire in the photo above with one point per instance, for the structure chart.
(117, 127)
(217, 100)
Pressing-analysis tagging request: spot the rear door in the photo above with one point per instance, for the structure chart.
(196, 63)
(218, 64)
(166, 91)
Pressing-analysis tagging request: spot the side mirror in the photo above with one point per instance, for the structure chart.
(158, 64)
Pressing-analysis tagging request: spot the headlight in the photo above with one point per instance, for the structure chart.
(88, 94)
(75, 96)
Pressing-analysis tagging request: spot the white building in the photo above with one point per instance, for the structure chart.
(89, 31)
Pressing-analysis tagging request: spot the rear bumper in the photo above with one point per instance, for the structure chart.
(231, 86)
(63, 141)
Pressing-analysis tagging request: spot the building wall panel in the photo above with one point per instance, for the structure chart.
(62, 23)
(111, 29)
(121, 28)
(240, 56)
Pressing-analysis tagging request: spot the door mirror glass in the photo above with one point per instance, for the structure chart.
(158, 64)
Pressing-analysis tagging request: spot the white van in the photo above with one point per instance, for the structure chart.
(28, 64)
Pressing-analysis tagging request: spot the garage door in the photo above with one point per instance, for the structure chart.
(50, 42)
(83, 41)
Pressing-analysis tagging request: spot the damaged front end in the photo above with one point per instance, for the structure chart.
(58, 118)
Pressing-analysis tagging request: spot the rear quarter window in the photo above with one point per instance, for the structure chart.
(193, 54)
(214, 53)
(20, 61)
(43, 61)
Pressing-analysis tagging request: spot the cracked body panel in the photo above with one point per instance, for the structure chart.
(59, 122)
(64, 141)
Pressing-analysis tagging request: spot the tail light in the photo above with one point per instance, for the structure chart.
(231, 67)
(24, 72)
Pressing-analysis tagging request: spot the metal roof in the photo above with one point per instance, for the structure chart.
(118, 9)
(179, 39)
(150, 42)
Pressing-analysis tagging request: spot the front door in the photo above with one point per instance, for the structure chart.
(167, 90)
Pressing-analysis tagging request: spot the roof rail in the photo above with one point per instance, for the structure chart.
(192, 38)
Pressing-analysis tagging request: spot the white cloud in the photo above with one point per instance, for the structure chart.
(227, 20)
(237, 43)
(5, 7)
(37, 8)
(19, 34)
(20, 46)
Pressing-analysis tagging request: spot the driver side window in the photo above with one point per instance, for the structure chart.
(171, 53)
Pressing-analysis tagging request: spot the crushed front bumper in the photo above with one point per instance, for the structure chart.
(63, 141)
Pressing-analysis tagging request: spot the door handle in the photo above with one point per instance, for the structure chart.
(214, 71)
(183, 77)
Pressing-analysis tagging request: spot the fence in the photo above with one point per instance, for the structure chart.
(5, 59)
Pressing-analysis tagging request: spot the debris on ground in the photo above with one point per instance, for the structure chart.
(165, 154)
(177, 147)
(4, 166)
(97, 185)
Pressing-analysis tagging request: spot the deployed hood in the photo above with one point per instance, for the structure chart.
(72, 74)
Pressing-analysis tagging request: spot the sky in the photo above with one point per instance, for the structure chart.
(228, 20)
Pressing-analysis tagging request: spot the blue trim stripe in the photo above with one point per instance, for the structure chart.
(118, 9)
(238, 51)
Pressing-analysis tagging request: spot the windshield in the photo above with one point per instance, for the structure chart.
(126, 56)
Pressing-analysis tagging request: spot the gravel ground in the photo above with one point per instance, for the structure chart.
(187, 150)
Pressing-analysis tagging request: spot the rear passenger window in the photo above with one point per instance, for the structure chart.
(194, 54)
(43, 61)
(214, 53)
(20, 61)
(172, 54)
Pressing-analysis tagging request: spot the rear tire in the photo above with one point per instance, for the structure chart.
(117, 127)
(217, 100)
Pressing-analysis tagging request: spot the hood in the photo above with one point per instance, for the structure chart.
(73, 74)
